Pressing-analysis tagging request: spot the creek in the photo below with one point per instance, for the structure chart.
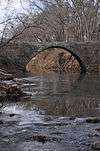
(54, 100)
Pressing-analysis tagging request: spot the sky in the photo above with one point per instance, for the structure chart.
(13, 6)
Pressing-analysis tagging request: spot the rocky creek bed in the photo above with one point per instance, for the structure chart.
(52, 133)
(28, 127)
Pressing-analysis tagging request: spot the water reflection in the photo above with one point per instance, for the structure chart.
(59, 95)
(66, 106)
(52, 84)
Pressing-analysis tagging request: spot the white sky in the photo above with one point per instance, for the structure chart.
(12, 7)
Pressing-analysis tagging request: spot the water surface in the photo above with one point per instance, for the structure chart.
(53, 99)
(60, 95)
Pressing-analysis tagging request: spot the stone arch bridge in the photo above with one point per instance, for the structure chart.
(87, 53)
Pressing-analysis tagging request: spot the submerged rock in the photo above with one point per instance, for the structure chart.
(1, 122)
(72, 118)
(44, 138)
(96, 145)
(93, 120)
(97, 129)
(54, 60)
(40, 138)
(11, 115)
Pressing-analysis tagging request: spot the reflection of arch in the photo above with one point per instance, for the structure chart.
(83, 68)
(67, 106)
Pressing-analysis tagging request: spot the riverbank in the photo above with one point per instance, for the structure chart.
(10, 87)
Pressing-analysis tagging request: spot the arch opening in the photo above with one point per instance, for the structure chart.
(56, 59)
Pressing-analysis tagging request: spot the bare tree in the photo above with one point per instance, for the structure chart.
(54, 20)
(64, 20)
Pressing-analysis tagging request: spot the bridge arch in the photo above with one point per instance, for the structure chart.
(81, 63)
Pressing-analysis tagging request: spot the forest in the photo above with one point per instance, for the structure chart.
(51, 20)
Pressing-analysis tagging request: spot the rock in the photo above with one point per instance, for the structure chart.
(2, 88)
(6, 76)
(93, 120)
(1, 70)
(43, 138)
(18, 81)
(14, 89)
(1, 105)
(2, 74)
(1, 122)
(96, 145)
(79, 120)
(11, 115)
(9, 86)
(93, 135)
(97, 129)
(72, 118)
(40, 138)
(57, 133)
